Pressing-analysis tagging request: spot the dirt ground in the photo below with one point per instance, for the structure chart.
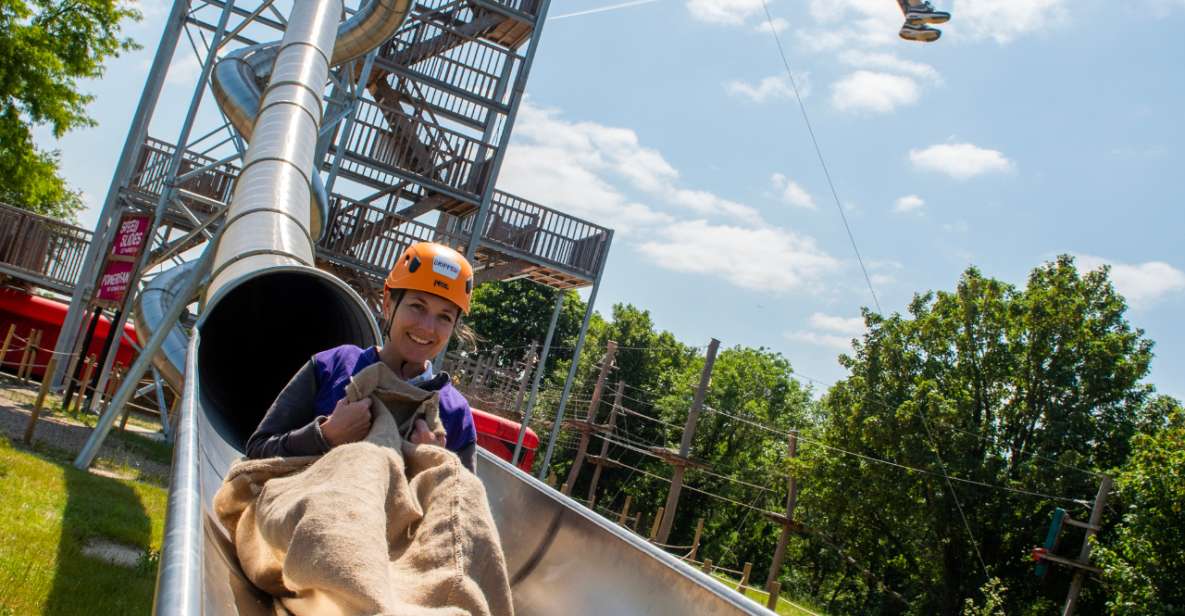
(118, 456)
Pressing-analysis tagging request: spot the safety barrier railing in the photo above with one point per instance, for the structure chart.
(387, 143)
(41, 249)
(370, 237)
(215, 183)
(547, 235)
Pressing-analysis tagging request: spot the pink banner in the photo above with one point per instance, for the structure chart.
(130, 236)
(114, 281)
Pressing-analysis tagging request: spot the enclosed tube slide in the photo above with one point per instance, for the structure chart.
(267, 309)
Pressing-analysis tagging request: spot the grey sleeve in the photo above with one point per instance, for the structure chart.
(468, 455)
(291, 426)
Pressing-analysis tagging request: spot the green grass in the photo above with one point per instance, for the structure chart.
(787, 607)
(48, 511)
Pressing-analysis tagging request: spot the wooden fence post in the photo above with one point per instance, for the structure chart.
(774, 589)
(625, 510)
(745, 576)
(7, 343)
(699, 532)
(88, 368)
(30, 355)
(707, 568)
(45, 381)
(654, 526)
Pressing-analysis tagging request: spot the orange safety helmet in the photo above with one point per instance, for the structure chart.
(432, 268)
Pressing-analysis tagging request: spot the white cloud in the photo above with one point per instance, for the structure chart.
(184, 70)
(1005, 20)
(845, 24)
(724, 12)
(778, 24)
(757, 258)
(791, 192)
(1142, 283)
(908, 203)
(830, 341)
(776, 87)
(960, 160)
(584, 167)
(890, 62)
(853, 326)
(868, 91)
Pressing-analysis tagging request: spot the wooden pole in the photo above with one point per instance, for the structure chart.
(1096, 517)
(7, 343)
(775, 589)
(88, 368)
(625, 510)
(748, 569)
(699, 532)
(654, 526)
(29, 356)
(596, 478)
(697, 403)
(707, 566)
(775, 568)
(46, 379)
(593, 406)
(528, 362)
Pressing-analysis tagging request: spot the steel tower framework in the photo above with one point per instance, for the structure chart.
(413, 136)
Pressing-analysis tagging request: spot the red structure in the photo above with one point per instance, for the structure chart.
(498, 436)
(30, 312)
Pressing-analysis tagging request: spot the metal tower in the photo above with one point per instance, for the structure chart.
(412, 139)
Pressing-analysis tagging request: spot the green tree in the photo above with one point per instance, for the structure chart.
(1144, 564)
(1007, 387)
(46, 46)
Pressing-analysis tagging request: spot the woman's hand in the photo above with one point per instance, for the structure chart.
(349, 422)
(421, 435)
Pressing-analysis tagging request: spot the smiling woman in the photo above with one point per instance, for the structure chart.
(425, 296)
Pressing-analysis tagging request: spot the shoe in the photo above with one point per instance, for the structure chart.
(924, 13)
(920, 33)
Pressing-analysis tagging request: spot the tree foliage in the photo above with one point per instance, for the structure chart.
(46, 47)
(1021, 394)
(1144, 564)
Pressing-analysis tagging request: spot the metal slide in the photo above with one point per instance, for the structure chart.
(267, 309)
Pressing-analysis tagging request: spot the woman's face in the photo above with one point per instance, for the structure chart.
(422, 325)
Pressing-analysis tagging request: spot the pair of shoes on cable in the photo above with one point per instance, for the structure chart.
(916, 19)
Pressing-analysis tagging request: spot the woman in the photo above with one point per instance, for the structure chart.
(424, 298)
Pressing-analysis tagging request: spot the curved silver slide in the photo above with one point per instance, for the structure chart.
(267, 309)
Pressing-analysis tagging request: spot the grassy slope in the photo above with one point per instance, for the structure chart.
(48, 510)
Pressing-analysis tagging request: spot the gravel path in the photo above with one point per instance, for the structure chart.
(64, 434)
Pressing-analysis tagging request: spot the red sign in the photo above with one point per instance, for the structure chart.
(130, 236)
(113, 284)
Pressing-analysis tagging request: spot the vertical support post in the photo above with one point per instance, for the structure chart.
(522, 429)
(596, 478)
(137, 131)
(30, 340)
(697, 404)
(559, 413)
(46, 379)
(708, 566)
(593, 405)
(137, 369)
(168, 193)
(699, 533)
(79, 357)
(775, 568)
(625, 510)
(654, 526)
(1096, 517)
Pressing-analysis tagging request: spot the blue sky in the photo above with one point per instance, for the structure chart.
(1032, 128)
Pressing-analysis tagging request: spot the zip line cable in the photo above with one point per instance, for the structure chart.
(942, 465)
(819, 152)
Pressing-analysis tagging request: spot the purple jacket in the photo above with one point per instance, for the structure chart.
(335, 367)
